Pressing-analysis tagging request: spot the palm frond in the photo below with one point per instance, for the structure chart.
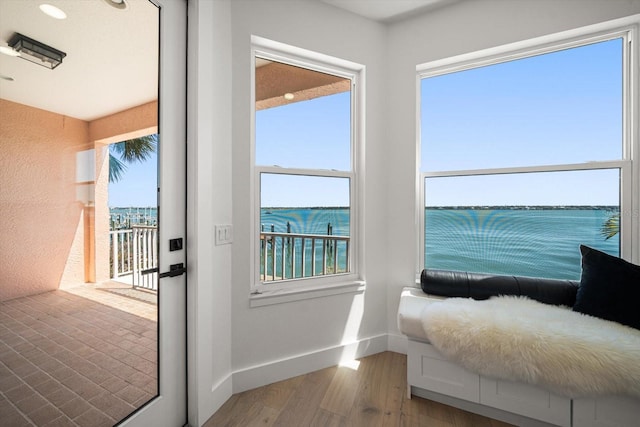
(132, 150)
(136, 149)
(116, 168)
(611, 226)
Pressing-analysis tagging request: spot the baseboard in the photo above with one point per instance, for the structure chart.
(220, 393)
(278, 370)
(397, 343)
(209, 404)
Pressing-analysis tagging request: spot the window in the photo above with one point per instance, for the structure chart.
(305, 172)
(525, 156)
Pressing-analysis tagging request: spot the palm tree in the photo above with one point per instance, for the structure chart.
(611, 226)
(132, 150)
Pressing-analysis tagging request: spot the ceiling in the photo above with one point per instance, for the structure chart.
(111, 62)
(389, 10)
(112, 54)
(281, 84)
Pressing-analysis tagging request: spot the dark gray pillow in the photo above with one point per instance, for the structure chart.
(609, 288)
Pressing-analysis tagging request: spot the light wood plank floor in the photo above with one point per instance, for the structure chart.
(373, 395)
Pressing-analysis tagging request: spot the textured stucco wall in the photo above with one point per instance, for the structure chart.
(38, 208)
(50, 238)
(132, 123)
(101, 216)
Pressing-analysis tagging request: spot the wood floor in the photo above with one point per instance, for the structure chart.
(374, 394)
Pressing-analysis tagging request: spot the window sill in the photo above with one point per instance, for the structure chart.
(280, 296)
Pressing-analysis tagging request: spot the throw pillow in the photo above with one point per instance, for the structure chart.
(609, 288)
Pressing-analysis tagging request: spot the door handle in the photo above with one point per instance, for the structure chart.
(174, 270)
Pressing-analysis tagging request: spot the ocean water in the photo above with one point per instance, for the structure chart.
(536, 243)
(306, 220)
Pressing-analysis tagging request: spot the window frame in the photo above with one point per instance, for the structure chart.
(264, 293)
(626, 29)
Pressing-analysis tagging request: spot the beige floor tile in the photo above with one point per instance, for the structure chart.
(76, 358)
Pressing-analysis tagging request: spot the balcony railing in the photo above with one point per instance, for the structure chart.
(291, 256)
(121, 244)
(133, 251)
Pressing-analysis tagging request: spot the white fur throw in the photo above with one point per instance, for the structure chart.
(518, 339)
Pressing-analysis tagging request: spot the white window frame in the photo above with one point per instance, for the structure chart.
(625, 28)
(311, 287)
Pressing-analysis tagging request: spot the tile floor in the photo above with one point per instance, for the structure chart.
(85, 356)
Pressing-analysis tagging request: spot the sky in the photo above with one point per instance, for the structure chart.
(138, 186)
(559, 108)
(313, 134)
(564, 107)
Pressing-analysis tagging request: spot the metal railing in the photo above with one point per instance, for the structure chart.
(286, 256)
(133, 251)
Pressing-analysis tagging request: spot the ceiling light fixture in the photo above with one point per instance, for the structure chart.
(8, 51)
(36, 52)
(289, 96)
(53, 11)
(118, 4)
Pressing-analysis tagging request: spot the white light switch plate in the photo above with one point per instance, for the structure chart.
(224, 234)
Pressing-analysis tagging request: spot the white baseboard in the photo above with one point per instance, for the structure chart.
(220, 393)
(214, 399)
(397, 343)
(278, 370)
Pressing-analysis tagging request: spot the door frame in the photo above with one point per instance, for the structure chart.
(169, 407)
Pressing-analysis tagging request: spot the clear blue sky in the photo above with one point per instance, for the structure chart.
(313, 134)
(559, 108)
(138, 186)
(564, 107)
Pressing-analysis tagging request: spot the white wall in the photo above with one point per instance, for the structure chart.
(233, 346)
(209, 203)
(286, 339)
(464, 27)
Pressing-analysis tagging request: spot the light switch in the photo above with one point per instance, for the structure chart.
(224, 234)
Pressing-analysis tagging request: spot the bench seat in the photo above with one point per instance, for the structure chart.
(430, 375)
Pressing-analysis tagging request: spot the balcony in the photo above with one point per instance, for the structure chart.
(83, 356)
(86, 353)
(132, 251)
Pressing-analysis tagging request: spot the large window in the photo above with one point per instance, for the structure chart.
(305, 173)
(524, 159)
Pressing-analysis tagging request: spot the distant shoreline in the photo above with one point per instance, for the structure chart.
(325, 208)
(530, 208)
(483, 207)
(466, 208)
(132, 207)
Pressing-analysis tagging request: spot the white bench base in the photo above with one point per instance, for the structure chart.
(476, 408)
(432, 376)
(430, 372)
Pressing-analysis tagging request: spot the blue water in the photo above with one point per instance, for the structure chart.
(306, 220)
(537, 243)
